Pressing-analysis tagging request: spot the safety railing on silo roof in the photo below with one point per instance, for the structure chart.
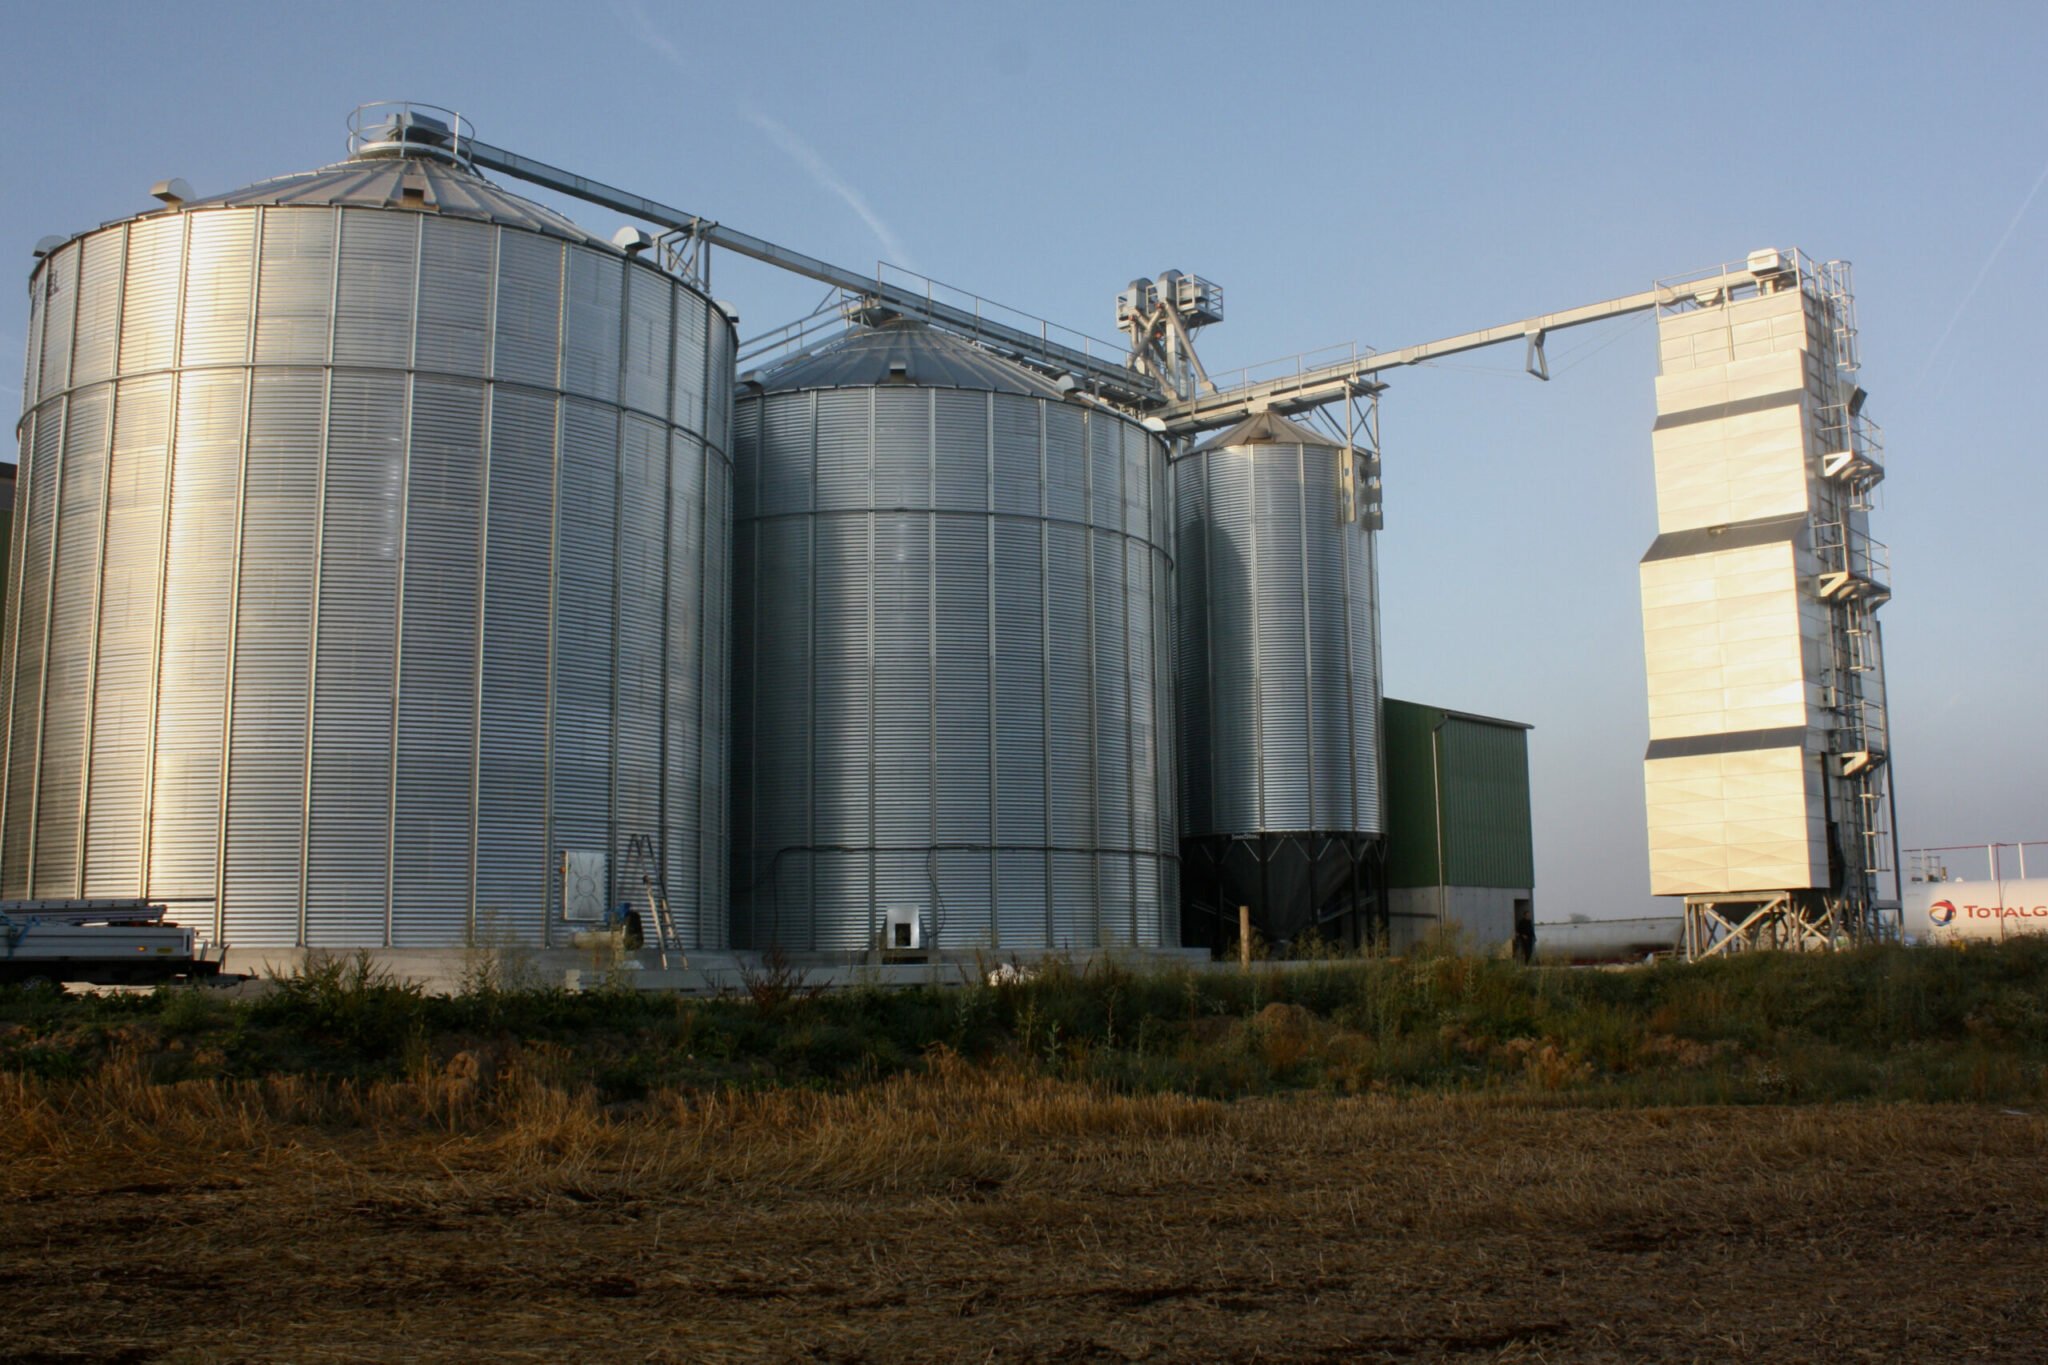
(410, 128)
(831, 319)
(1300, 365)
(1013, 319)
(1761, 272)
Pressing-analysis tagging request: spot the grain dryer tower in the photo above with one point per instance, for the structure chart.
(1765, 778)
(952, 682)
(372, 561)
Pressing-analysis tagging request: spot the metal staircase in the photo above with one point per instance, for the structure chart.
(1855, 580)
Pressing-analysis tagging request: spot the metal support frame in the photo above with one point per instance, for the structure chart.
(1354, 914)
(685, 252)
(1161, 324)
(1719, 926)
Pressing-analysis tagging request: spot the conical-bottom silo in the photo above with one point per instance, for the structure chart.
(370, 566)
(1278, 687)
(951, 664)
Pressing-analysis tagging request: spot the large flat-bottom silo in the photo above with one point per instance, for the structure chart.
(370, 565)
(1279, 687)
(951, 673)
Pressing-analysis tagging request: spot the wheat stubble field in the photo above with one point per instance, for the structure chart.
(961, 1215)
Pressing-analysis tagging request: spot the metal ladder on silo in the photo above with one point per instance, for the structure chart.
(660, 925)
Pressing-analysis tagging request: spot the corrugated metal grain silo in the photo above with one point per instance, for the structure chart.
(1279, 684)
(951, 664)
(371, 556)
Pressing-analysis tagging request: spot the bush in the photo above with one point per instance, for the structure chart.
(352, 1002)
(183, 1011)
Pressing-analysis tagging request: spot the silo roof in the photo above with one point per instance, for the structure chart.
(904, 352)
(404, 183)
(1270, 429)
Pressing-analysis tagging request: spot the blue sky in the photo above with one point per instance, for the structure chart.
(1386, 174)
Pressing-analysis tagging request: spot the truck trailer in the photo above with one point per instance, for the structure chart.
(99, 942)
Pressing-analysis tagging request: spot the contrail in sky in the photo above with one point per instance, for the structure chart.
(802, 153)
(631, 11)
(1982, 274)
(781, 135)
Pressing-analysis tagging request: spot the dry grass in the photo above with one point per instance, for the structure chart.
(483, 1211)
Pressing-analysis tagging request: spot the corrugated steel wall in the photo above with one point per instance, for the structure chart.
(951, 672)
(365, 560)
(1483, 769)
(1279, 666)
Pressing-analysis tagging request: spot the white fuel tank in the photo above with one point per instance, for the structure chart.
(1972, 911)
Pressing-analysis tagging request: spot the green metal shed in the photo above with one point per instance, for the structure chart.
(1459, 848)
